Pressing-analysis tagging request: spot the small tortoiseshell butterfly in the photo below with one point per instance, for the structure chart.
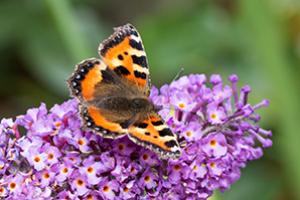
(113, 94)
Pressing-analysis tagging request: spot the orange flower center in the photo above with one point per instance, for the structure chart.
(181, 105)
(147, 178)
(213, 116)
(37, 159)
(177, 167)
(57, 124)
(145, 156)
(12, 185)
(126, 189)
(89, 197)
(189, 133)
(50, 156)
(80, 182)
(65, 170)
(1, 189)
(80, 142)
(213, 143)
(212, 165)
(46, 175)
(132, 169)
(121, 147)
(90, 169)
(105, 188)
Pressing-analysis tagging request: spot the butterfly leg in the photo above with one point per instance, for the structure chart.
(129, 122)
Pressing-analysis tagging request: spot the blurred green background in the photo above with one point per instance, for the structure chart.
(41, 41)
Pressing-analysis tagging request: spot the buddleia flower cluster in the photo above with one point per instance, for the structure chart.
(46, 155)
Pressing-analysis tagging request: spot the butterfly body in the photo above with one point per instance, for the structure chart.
(113, 94)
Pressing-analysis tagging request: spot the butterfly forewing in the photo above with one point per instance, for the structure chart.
(124, 53)
(87, 74)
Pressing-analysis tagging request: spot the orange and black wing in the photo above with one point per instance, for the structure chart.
(86, 76)
(153, 133)
(124, 53)
(93, 118)
(89, 76)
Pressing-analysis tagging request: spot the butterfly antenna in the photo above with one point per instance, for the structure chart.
(158, 108)
(178, 74)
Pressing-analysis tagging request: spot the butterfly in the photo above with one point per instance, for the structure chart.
(114, 94)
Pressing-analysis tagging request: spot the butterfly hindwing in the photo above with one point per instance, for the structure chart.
(124, 53)
(91, 76)
(94, 119)
(153, 133)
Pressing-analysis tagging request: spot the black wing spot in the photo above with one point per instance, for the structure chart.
(140, 60)
(136, 45)
(147, 133)
(120, 57)
(141, 75)
(171, 143)
(157, 123)
(121, 70)
(126, 53)
(124, 125)
(165, 132)
(142, 125)
(135, 33)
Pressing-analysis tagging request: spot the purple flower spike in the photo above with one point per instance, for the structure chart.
(217, 130)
